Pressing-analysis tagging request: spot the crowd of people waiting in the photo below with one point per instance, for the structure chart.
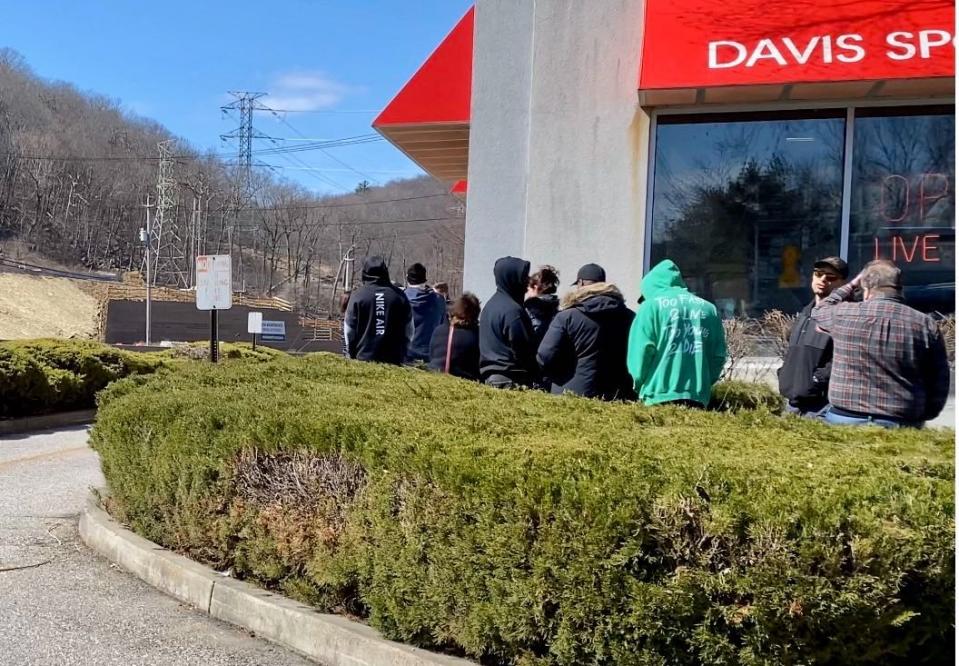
(853, 358)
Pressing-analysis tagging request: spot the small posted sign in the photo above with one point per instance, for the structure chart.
(254, 322)
(214, 282)
(274, 331)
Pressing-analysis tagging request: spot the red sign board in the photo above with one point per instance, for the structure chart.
(709, 43)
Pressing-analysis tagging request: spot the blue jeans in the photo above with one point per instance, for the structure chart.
(817, 415)
(841, 419)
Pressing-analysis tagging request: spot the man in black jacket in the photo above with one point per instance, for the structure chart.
(804, 376)
(584, 350)
(378, 318)
(507, 349)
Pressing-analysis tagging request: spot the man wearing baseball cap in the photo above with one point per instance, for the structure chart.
(589, 274)
(584, 350)
(804, 375)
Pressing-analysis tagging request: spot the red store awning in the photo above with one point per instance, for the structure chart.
(711, 51)
(702, 51)
(429, 118)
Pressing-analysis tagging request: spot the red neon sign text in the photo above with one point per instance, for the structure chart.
(919, 248)
(897, 196)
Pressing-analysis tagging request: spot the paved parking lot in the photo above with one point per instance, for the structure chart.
(62, 604)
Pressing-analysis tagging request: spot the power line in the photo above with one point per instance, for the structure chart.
(322, 178)
(333, 143)
(327, 110)
(335, 159)
(312, 206)
(347, 205)
(364, 223)
(322, 224)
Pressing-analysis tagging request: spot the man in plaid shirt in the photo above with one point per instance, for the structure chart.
(889, 361)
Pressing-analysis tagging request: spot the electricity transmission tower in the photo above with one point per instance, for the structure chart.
(245, 103)
(168, 256)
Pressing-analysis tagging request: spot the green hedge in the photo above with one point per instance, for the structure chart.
(522, 528)
(41, 376)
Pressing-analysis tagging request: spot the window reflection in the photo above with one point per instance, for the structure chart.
(903, 199)
(745, 203)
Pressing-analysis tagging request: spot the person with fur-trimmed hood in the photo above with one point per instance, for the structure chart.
(584, 349)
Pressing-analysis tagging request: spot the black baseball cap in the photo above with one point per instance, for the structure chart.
(593, 272)
(834, 263)
(416, 274)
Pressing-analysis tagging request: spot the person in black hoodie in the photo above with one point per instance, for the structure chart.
(804, 375)
(584, 350)
(507, 349)
(454, 349)
(542, 303)
(378, 317)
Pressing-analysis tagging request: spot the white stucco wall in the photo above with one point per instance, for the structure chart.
(496, 201)
(558, 143)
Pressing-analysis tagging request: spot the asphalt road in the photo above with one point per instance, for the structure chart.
(62, 604)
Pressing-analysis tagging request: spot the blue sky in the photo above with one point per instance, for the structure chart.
(338, 61)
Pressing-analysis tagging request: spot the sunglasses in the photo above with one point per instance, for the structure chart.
(829, 277)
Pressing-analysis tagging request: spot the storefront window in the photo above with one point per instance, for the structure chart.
(745, 203)
(903, 199)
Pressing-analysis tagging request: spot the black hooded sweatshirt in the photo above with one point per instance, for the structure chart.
(378, 317)
(506, 338)
(541, 310)
(584, 351)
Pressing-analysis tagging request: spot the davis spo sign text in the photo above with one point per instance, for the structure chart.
(711, 43)
(826, 49)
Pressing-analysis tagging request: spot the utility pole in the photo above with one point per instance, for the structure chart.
(146, 237)
(348, 260)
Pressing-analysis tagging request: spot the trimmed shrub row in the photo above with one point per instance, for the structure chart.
(48, 375)
(43, 376)
(521, 528)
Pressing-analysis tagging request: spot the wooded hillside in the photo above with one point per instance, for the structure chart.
(76, 171)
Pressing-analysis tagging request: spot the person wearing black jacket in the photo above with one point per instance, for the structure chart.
(584, 350)
(804, 375)
(454, 349)
(542, 303)
(507, 349)
(378, 319)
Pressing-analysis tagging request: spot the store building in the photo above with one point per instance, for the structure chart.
(741, 139)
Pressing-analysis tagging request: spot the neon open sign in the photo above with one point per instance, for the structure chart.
(900, 198)
(897, 198)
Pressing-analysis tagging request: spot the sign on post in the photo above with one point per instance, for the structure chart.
(254, 322)
(273, 331)
(214, 282)
(214, 292)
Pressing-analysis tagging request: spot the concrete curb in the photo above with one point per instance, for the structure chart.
(327, 639)
(47, 422)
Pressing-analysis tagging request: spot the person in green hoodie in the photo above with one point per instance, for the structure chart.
(677, 347)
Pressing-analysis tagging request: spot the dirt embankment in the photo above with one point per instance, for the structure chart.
(37, 307)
